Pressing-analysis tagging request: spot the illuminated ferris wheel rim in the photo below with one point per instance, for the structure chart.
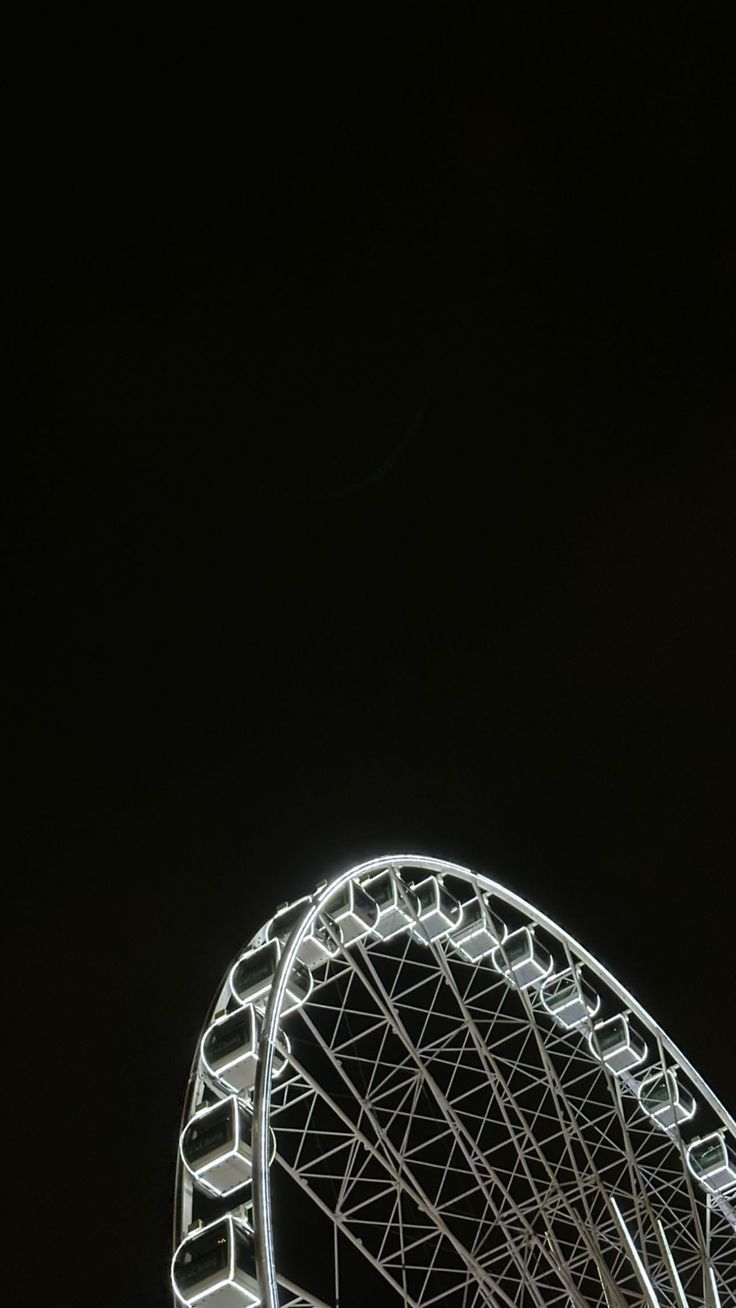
(318, 903)
(286, 947)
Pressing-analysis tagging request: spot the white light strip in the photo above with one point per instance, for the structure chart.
(641, 1271)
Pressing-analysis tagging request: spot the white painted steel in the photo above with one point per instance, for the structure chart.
(645, 1227)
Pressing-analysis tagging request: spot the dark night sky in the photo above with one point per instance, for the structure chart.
(373, 392)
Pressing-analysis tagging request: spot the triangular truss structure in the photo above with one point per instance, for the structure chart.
(470, 1149)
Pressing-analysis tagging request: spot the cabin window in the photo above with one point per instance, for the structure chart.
(518, 949)
(254, 969)
(208, 1256)
(473, 914)
(657, 1094)
(207, 1134)
(426, 895)
(361, 901)
(341, 900)
(226, 1038)
(559, 992)
(382, 891)
(612, 1035)
(446, 902)
(710, 1155)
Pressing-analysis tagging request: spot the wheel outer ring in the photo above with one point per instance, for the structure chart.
(263, 1241)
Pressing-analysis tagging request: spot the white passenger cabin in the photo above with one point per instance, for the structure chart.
(229, 1051)
(616, 1043)
(522, 960)
(321, 941)
(713, 1162)
(664, 1100)
(215, 1147)
(479, 931)
(437, 910)
(354, 910)
(217, 1263)
(395, 903)
(569, 999)
(252, 976)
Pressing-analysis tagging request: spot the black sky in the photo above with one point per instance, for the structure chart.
(373, 405)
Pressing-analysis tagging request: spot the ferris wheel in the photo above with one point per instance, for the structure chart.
(448, 1098)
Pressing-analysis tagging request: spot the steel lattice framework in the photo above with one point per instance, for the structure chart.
(458, 1134)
